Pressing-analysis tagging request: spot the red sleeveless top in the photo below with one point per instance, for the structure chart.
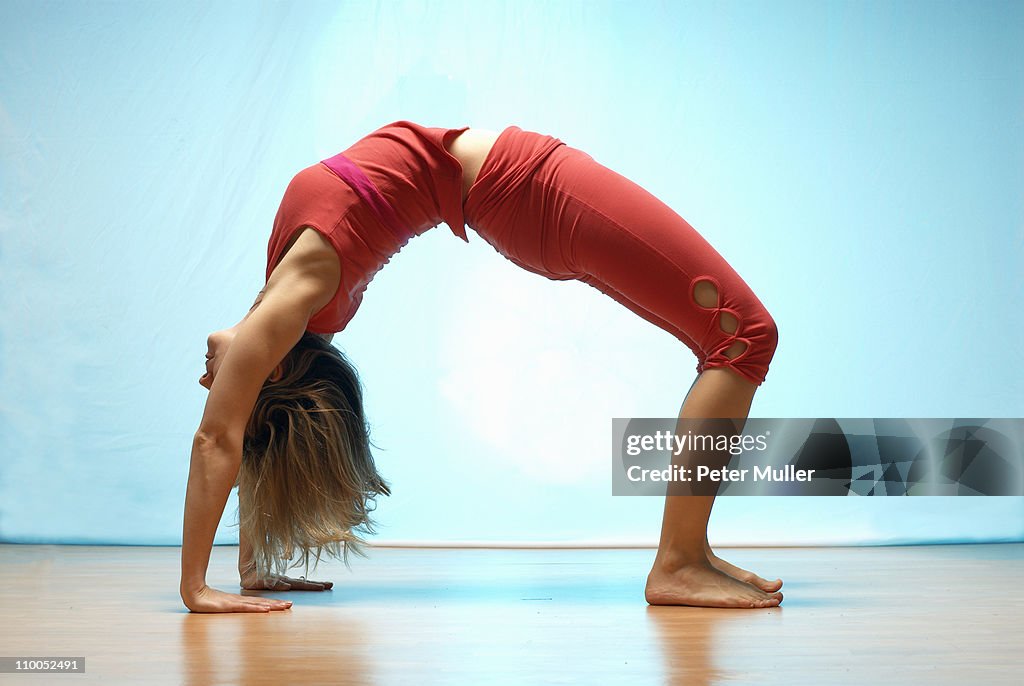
(368, 201)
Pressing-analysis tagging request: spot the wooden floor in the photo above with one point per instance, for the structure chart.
(898, 615)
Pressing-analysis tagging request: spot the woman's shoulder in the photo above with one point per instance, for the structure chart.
(307, 246)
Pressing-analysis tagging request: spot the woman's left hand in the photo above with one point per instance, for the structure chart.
(277, 582)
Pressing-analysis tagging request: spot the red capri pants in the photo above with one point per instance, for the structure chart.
(554, 211)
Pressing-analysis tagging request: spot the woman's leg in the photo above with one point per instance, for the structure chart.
(680, 574)
(686, 571)
(573, 218)
(600, 228)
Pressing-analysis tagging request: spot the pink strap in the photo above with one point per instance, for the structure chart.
(351, 174)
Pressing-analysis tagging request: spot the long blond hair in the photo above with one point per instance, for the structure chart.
(308, 482)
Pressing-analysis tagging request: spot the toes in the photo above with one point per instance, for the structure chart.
(756, 600)
(755, 580)
(748, 577)
(761, 583)
(761, 599)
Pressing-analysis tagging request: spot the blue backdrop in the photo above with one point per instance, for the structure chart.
(859, 163)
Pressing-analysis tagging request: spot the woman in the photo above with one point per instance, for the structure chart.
(284, 418)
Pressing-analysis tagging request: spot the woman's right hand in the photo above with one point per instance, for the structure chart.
(277, 582)
(209, 599)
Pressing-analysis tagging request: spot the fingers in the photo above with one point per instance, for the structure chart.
(264, 605)
(309, 585)
(276, 584)
(284, 583)
(211, 600)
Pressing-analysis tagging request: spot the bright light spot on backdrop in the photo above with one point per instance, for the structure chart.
(528, 380)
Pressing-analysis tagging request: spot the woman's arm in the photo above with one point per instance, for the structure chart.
(262, 341)
(211, 474)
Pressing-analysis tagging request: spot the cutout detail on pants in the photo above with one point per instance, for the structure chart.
(706, 295)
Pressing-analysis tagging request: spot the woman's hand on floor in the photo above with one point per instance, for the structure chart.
(209, 599)
(251, 582)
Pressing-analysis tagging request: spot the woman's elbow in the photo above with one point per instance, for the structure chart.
(217, 444)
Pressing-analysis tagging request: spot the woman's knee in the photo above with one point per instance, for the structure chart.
(761, 334)
(744, 335)
(770, 336)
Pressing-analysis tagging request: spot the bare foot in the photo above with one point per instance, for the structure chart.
(742, 574)
(702, 585)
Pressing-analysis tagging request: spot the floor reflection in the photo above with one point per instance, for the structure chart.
(697, 643)
(277, 648)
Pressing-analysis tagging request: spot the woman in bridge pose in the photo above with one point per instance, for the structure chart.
(284, 417)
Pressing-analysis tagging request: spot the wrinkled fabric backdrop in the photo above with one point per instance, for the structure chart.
(859, 164)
